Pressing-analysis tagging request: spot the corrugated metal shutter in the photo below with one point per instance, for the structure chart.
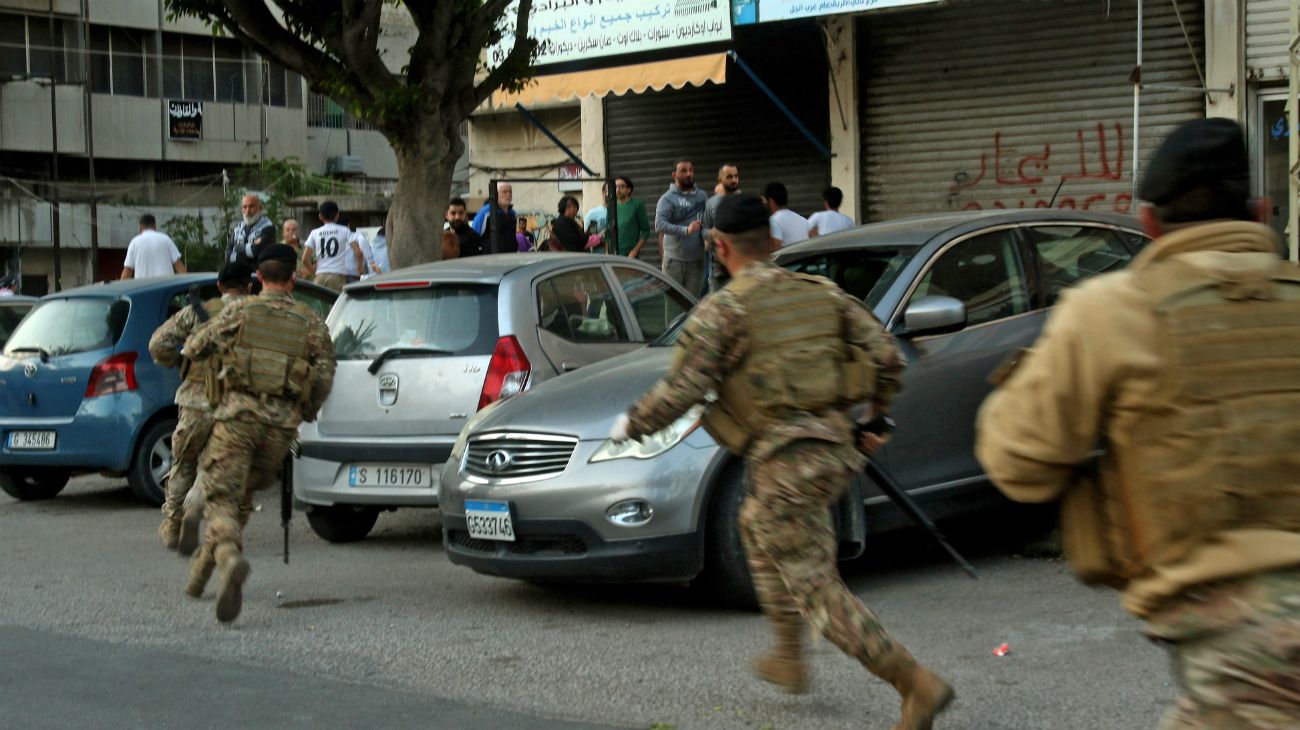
(993, 103)
(732, 123)
(1267, 39)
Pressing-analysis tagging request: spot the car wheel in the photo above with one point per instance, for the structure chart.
(28, 483)
(151, 462)
(726, 571)
(342, 523)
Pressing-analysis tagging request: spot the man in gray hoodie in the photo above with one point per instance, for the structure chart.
(677, 216)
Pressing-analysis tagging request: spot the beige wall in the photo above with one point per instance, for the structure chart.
(67, 7)
(846, 163)
(25, 118)
(1225, 58)
(323, 143)
(507, 140)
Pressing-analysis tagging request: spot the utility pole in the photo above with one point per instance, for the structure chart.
(87, 84)
(54, 158)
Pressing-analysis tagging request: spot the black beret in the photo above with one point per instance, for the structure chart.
(278, 252)
(740, 213)
(235, 271)
(1200, 152)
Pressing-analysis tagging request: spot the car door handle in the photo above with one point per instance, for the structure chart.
(569, 366)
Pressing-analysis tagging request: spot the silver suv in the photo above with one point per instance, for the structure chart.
(421, 350)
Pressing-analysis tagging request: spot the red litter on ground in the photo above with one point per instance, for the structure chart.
(1003, 650)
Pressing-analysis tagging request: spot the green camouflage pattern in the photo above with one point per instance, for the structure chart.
(1236, 653)
(220, 334)
(165, 349)
(715, 341)
(193, 428)
(785, 526)
(241, 457)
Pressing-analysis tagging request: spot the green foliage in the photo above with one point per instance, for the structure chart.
(191, 238)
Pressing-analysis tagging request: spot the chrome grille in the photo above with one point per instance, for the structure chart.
(517, 457)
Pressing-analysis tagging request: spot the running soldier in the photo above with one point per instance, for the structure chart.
(194, 421)
(787, 355)
(275, 369)
(1185, 368)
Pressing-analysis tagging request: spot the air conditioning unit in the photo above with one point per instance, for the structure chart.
(345, 165)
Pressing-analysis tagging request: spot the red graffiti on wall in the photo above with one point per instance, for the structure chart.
(1105, 162)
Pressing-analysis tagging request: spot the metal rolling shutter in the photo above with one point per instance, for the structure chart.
(1266, 39)
(735, 122)
(994, 103)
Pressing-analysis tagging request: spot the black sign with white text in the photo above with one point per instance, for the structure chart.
(184, 120)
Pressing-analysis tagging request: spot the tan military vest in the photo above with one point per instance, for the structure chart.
(1218, 447)
(797, 361)
(269, 357)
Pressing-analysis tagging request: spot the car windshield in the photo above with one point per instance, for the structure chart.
(451, 319)
(866, 273)
(67, 326)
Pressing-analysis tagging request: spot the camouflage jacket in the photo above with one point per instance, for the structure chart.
(715, 341)
(165, 348)
(220, 334)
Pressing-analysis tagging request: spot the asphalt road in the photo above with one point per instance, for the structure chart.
(95, 631)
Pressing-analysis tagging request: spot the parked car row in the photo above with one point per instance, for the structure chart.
(454, 390)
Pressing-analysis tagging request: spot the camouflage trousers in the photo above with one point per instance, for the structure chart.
(193, 428)
(240, 458)
(1236, 652)
(785, 526)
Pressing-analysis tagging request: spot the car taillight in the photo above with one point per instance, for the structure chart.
(113, 375)
(507, 372)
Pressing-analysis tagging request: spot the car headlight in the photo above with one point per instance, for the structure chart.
(458, 449)
(652, 445)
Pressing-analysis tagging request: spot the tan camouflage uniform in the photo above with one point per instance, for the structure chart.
(193, 422)
(797, 469)
(250, 436)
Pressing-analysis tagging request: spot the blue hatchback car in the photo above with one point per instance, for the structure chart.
(80, 393)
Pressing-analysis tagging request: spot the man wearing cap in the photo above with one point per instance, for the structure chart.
(778, 359)
(1184, 368)
(194, 420)
(275, 365)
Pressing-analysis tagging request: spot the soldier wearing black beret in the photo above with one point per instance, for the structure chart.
(1186, 366)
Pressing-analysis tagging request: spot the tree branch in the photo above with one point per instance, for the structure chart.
(516, 63)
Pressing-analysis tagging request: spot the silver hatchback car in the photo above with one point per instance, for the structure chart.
(534, 490)
(422, 349)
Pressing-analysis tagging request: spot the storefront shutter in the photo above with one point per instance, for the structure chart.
(1267, 37)
(731, 123)
(994, 103)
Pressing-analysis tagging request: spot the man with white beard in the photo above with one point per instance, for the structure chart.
(252, 234)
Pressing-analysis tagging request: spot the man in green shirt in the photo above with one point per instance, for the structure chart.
(633, 223)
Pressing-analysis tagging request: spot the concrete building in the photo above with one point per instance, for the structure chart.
(162, 108)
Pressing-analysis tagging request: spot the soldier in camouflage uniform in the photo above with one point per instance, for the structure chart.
(194, 420)
(275, 366)
(784, 356)
(1186, 367)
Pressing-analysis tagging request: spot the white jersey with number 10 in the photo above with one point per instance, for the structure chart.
(333, 254)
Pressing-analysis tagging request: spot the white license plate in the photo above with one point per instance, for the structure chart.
(489, 520)
(32, 440)
(390, 475)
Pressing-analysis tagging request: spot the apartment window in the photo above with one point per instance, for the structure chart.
(229, 65)
(121, 61)
(34, 46)
(100, 61)
(283, 87)
(196, 71)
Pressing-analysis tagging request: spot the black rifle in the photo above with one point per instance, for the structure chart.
(286, 495)
(196, 303)
(882, 425)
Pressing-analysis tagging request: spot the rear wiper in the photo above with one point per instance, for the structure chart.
(393, 352)
(45, 356)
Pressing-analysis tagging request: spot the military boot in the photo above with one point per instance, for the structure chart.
(783, 664)
(169, 530)
(234, 571)
(924, 694)
(201, 567)
(188, 540)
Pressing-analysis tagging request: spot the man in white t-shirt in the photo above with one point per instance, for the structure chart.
(151, 253)
(787, 226)
(831, 220)
(337, 255)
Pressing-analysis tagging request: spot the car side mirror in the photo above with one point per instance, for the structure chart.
(933, 315)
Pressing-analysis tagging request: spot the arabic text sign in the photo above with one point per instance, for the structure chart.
(746, 12)
(574, 30)
(184, 120)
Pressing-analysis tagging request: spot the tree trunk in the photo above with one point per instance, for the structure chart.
(424, 169)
